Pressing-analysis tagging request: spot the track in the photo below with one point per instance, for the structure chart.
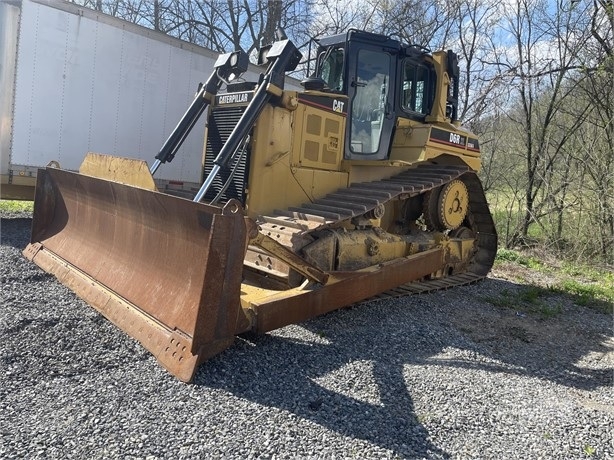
(292, 227)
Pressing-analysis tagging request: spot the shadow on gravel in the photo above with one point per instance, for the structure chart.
(252, 370)
(545, 337)
(287, 374)
(15, 232)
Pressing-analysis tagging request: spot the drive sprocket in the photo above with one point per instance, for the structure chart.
(446, 207)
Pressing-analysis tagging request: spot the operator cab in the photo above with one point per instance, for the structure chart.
(383, 79)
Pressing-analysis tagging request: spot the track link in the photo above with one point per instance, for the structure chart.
(292, 227)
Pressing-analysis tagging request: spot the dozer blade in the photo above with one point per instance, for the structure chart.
(165, 270)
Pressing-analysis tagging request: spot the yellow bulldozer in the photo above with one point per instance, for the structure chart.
(362, 185)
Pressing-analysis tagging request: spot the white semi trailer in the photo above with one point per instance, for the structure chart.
(74, 80)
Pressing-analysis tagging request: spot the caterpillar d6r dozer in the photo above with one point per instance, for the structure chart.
(363, 185)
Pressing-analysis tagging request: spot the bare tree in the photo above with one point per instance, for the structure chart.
(596, 86)
(220, 25)
(543, 54)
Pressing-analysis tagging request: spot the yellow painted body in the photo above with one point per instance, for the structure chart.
(121, 170)
(297, 155)
(412, 144)
(296, 158)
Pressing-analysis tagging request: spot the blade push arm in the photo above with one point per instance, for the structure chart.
(228, 66)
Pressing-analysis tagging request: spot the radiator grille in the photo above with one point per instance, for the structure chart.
(221, 123)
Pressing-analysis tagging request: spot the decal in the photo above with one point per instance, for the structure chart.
(473, 145)
(234, 98)
(332, 104)
(338, 106)
(449, 138)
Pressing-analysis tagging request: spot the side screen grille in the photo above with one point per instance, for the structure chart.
(221, 123)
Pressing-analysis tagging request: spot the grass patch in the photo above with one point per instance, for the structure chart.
(586, 286)
(590, 286)
(16, 206)
(542, 301)
(508, 255)
(528, 299)
(596, 296)
(588, 273)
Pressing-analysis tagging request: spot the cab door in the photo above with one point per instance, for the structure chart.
(371, 97)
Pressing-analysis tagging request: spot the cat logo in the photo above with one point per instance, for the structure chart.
(235, 98)
(338, 106)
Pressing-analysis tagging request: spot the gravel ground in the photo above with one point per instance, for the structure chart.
(444, 375)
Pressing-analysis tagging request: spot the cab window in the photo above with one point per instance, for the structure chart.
(418, 88)
(331, 68)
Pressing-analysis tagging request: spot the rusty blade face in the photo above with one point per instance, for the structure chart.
(164, 269)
